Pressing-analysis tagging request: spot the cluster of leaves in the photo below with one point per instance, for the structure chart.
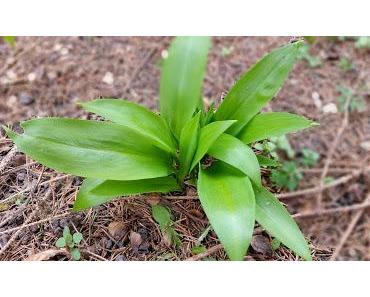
(9, 40)
(346, 65)
(288, 175)
(357, 103)
(70, 242)
(139, 151)
(304, 54)
(363, 42)
(162, 216)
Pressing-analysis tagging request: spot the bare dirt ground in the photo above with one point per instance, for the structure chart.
(47, 76)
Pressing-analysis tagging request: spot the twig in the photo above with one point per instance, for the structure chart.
(139, 68)
(349, 229)
(27, 224)
(8, 158)
(341, 180)
(208, 252)
(331, 153)
(14, 236)
(328, 211)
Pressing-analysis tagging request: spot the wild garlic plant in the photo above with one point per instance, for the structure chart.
(138, 151)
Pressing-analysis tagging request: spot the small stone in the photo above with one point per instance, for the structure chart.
(164, 54)
(365, 145)
(57, 47)
(31, 77)
(330, 108)
(51, 75)
(12, 100)
(316, 100)
(26, 99)
(108, 78)
(11, 75)
(64, 51)
(120, 258)
(261, 245)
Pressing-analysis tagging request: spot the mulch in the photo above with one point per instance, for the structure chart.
(48, 76)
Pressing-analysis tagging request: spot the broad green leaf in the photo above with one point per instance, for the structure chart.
(77, 237)
(94, 191)
(162, 216)
(257, 86)
(267, 162)
(182, 79)
(92, 149)
(188, 144)
(66, 231)
(136, 117)
(231, 150)
(265, 125)
(61, 243)
(227, 198)
(76, 254)
(274, 217)
(208, 135)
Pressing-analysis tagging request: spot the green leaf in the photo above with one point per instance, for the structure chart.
(188, 144)
(94, 191)
(162, 216)
(287, 176)
(77, 237)
(198, 250)
(208, 135)
(227, 198)
(66, 232)
(76, 254)
(265, 125)
(231, 150)
(267, 162)
(9, 40)
(258, 86)
(136, 117)
(92, 149)
(309, 157)
(61, 243)
(273, 216)
(181, 80)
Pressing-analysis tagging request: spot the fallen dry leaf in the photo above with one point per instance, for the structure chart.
(135, 240)
(261, 245)
(117, 229)
(46, 255)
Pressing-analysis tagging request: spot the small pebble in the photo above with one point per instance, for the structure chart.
(108, 78)
(31, 77)
(330, 108)
(164, 54)
(26, 99)
(121, 258)
(12, 100)
(365, 145)
(64, 51)
(316, 100)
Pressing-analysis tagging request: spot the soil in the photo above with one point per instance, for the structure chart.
(47, 76)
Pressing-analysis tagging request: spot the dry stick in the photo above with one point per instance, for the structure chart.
(27, 224)
(32, 186)
(9, 157)
(139, 68)
(331, 153)
(208, 252)
(16, 233)
(348, 232)
(341, 180)
(328, 211)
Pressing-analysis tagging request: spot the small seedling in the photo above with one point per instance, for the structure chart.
(346, 65)
(357, 103)
(198, 249)
(70, 242)
(309, 157)
(162, 216)
(304, 54)
(363, 42)
(288, 176)
(138, 151)
(9, 40)
(226, 51)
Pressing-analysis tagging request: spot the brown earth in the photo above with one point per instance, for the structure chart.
(47, 76)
